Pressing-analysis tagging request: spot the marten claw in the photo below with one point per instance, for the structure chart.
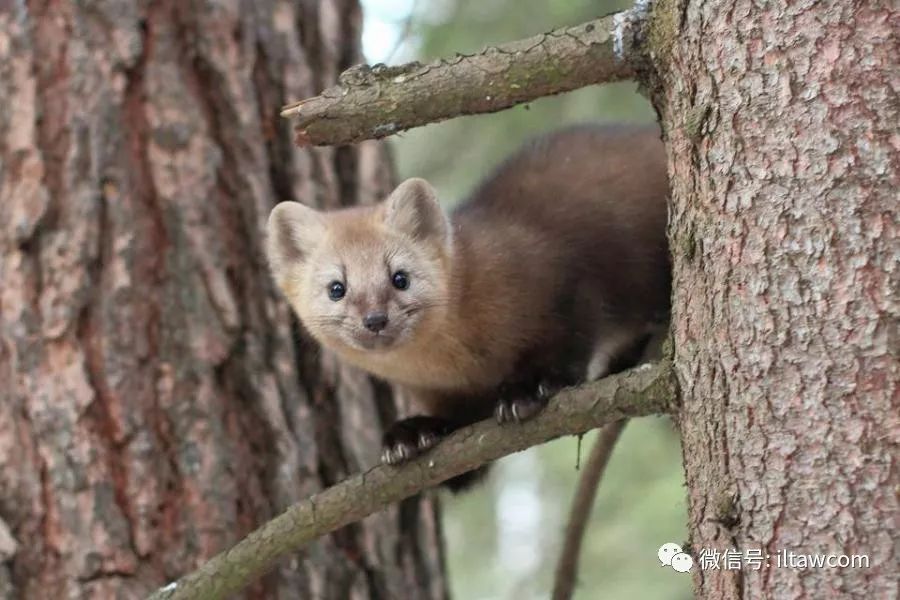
(396, 455)
(427, 440)
(503, 412)
(401, 452)
(520, 409)
(408, 438)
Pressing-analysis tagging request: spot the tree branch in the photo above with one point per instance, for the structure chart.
(374, 102)
(582, 503)
(645, 390)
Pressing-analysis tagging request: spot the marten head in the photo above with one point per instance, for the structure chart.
(368, 278)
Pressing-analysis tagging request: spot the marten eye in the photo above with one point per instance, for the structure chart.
(336, 290)
(400, 279)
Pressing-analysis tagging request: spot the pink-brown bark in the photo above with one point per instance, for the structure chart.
(156, 403)
(781, 122)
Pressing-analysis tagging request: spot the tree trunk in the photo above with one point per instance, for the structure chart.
(781, 122)
(157, 400)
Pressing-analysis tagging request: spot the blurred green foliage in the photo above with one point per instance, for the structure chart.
(455, 154)
(640, 506)
(504, 538)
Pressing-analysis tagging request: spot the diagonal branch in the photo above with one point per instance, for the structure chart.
(374, 102)
(645, 390)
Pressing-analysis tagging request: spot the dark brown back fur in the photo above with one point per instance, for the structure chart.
(564, 239)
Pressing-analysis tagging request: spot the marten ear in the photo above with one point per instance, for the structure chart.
(414, 210)
(292, 232)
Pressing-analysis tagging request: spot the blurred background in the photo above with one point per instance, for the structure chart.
(504, 538)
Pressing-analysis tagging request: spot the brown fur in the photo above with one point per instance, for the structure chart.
(557, 257)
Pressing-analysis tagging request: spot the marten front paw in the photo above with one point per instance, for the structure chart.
(408, 438)
(516, 406)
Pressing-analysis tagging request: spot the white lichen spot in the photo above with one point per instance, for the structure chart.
(399, 79)
(8, 544)
(170, 588)
(624, 21)
(430, 464)
(488, 98)
(619, 20)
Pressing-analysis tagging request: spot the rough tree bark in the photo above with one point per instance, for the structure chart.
(781, 125)
(155, 402)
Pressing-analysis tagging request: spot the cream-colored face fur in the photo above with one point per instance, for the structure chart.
(366, 279)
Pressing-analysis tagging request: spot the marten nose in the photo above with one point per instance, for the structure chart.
(375, 322)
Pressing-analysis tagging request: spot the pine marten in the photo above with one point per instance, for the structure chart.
(555, 270)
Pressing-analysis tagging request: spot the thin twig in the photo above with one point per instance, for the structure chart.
(567, 567)
(646, 390)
